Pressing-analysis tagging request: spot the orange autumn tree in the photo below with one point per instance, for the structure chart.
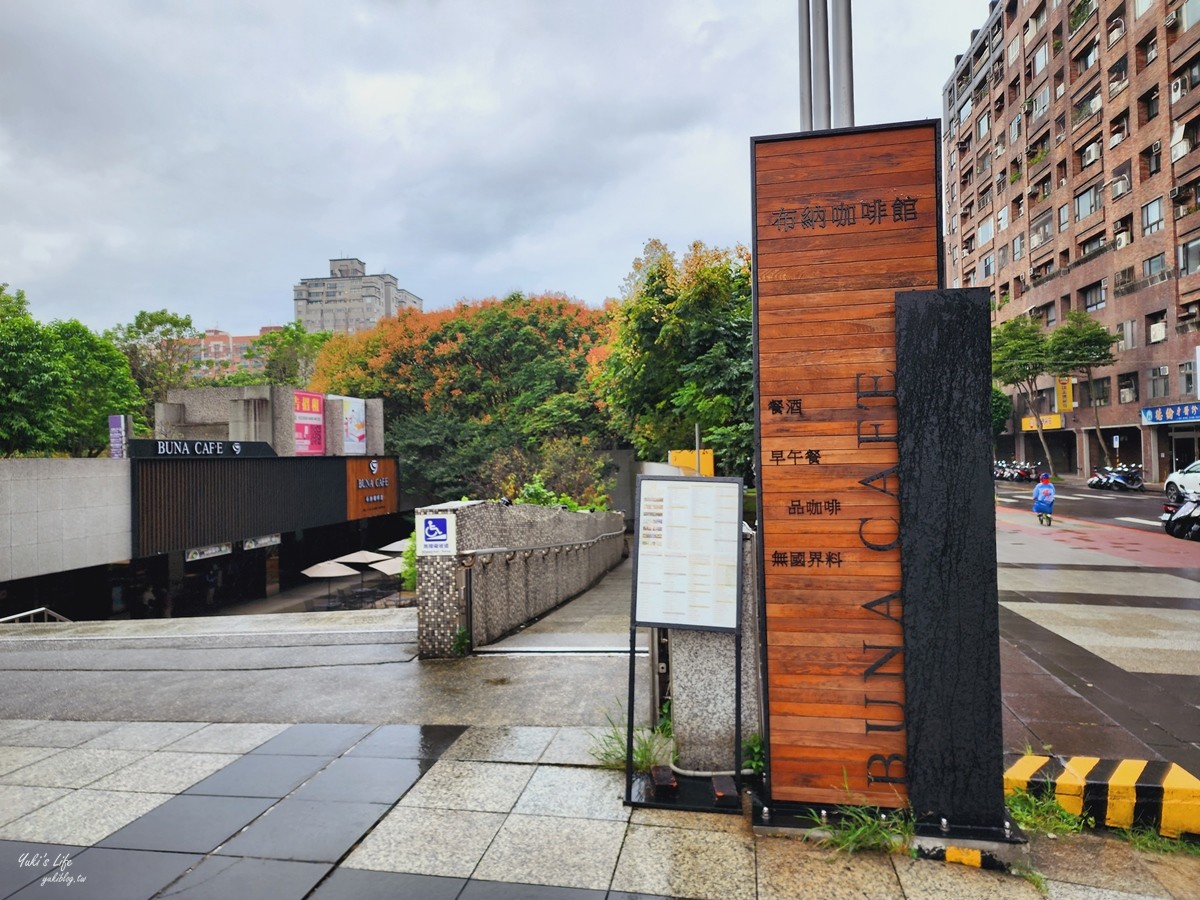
(476, 393)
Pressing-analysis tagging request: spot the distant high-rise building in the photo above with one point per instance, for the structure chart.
(220, 352)
(1072, 182)
(350, 300)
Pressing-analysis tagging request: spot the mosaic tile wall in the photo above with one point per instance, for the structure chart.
(571, 551)
(702, 682)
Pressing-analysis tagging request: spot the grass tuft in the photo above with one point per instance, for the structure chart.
(1150, 841)
(851, 829)
(1042, 813)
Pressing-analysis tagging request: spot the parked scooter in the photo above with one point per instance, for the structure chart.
(1127, 478)
(1181, 519)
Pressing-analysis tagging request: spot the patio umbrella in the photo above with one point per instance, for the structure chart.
(396, 546)
(390, 566)
(328, 569)
(362, 557)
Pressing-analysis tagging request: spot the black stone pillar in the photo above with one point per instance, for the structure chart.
(948, 547)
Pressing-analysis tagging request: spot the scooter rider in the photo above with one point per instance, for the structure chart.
(1043, 500)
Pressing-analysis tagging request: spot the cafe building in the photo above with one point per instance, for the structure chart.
(240, 490)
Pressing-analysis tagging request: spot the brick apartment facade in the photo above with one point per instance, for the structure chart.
(1071, 169)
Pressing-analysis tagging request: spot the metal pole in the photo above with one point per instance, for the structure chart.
(697, 448)
(806, 87)
(843, 65)
(820, 61)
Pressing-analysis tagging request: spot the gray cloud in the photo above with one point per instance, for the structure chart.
(205, 156)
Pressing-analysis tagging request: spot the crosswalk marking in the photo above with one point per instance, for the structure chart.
(1137, 521)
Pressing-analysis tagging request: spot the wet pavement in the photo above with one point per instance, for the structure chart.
(314, 756)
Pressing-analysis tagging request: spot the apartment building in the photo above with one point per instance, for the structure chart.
(349, 299)
(1071, 170)
(219, 351)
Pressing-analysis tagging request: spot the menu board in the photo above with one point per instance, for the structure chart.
(687, 558)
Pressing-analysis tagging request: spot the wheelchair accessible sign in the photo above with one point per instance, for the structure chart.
(436, 534)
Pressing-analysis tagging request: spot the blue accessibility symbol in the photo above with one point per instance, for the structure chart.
(436, 530)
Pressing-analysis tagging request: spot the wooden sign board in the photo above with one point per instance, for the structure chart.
(843, 220)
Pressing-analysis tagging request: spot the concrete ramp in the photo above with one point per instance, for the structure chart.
(597, 621)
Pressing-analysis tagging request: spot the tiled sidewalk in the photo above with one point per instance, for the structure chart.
(354, 812)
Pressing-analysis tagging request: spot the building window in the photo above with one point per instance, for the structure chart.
(1148, 104)
(1064, 217)
(986, 230)
(1189, 14)
(984, 125)
(1097, 392)
(1094, 295)
(1041, 102)
(1151, 161)
(989, 266)
(1087, 202)
(1187, 379)
(1189, 257)
(1002, 256)
(1154, 265)
(1018, 247)
(1087, 58)
(1001, 218)
(1047, 313)
(1140, 7)
(1041, 56)
(1160, 382)
(1094, 244)
(1152, 216)
(1040, 230)
(1127, 388)
(1126, 335)
(1014, 130)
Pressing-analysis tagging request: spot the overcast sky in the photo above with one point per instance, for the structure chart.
(205, 155)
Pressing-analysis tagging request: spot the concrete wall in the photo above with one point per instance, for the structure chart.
(539, 558)
(702, 682)
(59, 514)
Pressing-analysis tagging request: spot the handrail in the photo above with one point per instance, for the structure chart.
(47, 615)
(492, 551)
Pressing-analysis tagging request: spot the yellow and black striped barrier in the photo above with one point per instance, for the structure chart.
(1118, 793)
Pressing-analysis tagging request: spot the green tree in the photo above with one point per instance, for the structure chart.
(462, 386)
(1078, 346)
(1001, 412)
(12, 304)
(681, 356)
(99, 384)
(290, 354)
(1019, 358)
(34, 380)
(159, 347)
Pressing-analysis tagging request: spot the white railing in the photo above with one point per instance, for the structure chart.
(46, 615)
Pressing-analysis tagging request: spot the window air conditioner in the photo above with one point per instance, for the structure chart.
(1162, 370)
(1175, 192)
(1121, 346)
(1059, 90)
(1126, 395)
(1122, 239)
(1156, 147)
(1158, 332)
(1091, 153)
(999, 152)
(1179, 89)
(1180, 150)
(1171, 19)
